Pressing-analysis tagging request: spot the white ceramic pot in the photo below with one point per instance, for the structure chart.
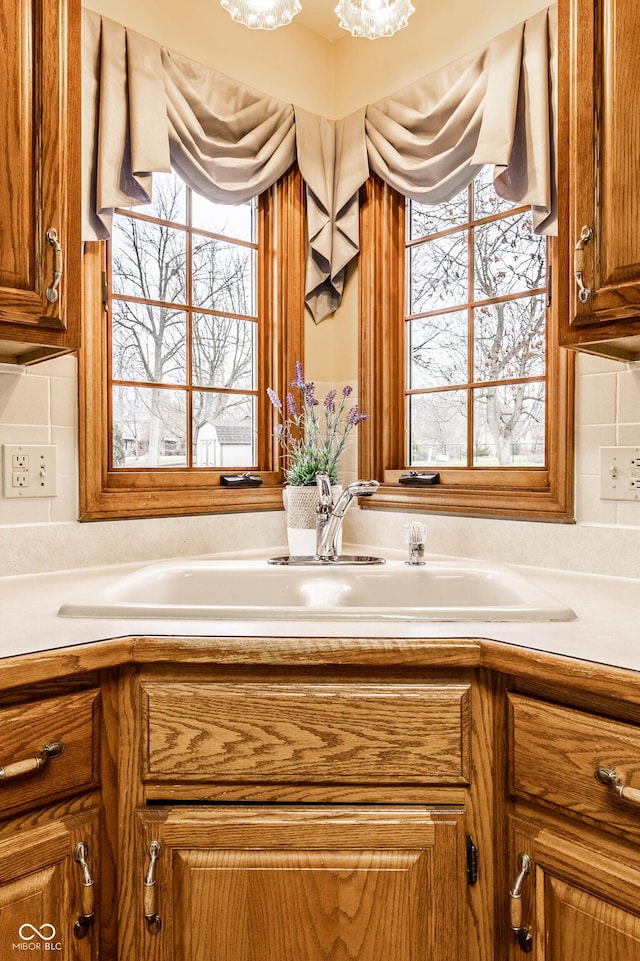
(300, 504)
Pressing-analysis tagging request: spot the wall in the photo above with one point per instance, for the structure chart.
(432, 39)
(331, 79)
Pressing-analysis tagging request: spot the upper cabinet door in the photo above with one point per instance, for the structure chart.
(603, 169)
(39, 173)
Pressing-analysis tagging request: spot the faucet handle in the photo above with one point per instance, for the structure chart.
(323, 483)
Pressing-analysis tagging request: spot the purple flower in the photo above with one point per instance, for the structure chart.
(298, 380)
(354, 417)
(329, 402)
(309, 394)
(273, 397)
(291, 406)
(311, 443)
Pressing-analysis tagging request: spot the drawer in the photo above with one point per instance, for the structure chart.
(555, 751)
(306, 733)
(25, 729)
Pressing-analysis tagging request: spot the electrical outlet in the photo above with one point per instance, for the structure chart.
(620, 473)
(29, 470)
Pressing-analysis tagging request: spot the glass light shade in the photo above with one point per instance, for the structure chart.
(262, 14)
(374, 18)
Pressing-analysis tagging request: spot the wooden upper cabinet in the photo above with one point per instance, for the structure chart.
(39, 178)
(599, 82)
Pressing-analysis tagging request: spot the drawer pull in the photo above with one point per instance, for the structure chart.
(610, 779)
(515, 906)
(584, 293)
(83, 923)
(51, 292)
(31, 764)
(151, 915)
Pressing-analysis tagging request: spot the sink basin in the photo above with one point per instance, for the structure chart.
(241, 590)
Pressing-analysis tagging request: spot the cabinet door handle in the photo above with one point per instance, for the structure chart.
(51, 292)
(610, 779)
(584, 293)
(87, 909)
(515, 905)
(151, 915)
(31, 764)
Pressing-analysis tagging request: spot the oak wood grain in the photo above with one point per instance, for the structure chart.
(306, 732)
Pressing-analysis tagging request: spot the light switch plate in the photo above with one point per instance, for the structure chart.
(29, 470)
(620, 473)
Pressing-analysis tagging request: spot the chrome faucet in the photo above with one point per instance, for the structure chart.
(330, 515)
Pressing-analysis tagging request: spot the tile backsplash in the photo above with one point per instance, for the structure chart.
(39, 406)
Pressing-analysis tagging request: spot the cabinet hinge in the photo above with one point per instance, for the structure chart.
(549, 285)
(472, 861)
(105, 291)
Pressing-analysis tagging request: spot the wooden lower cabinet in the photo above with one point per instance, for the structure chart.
(580, 899)
(45, 896)
(302, 883)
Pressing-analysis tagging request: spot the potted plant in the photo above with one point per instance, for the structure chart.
(312, 436)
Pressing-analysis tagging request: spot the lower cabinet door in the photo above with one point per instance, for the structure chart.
(578, 902)
(302, 884)
(47, 889)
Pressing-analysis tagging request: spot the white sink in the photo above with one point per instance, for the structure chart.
(241, 590)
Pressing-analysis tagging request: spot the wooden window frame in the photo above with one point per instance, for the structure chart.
(112, 494)
(538, 493)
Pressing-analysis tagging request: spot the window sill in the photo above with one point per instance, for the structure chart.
(113, 504)
(525, 504)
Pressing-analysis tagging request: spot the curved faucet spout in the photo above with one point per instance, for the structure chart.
(330, 517)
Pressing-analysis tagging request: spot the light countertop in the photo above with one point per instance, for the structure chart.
(605, 630)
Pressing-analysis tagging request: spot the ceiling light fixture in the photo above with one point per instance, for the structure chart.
(262, 14)
(362, 18)
(374, 18)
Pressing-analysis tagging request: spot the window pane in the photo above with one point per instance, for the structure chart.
(148, 343)
(224, 430)
(148, 260)
(508, 257)
(438, 350)
(432, 218)
(485, 200)
(224, 276)
(223, 352)
(169, 201)
(509, 425)
(438, 429)
(149, 427)
(438, 274)
(237, 222)
(510, 339)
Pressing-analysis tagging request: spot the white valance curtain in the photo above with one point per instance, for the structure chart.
(147, 109)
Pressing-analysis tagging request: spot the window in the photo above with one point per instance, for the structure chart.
(461, 362)
(182, 314)
(181, 345)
